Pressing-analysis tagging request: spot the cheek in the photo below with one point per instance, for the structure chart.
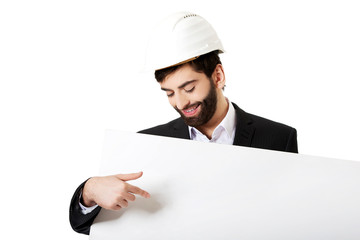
(199, 96)
(171, 101)
(202, 93)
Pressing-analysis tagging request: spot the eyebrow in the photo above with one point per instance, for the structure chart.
(181, 86)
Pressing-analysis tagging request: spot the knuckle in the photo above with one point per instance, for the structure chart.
(108, 206)
(116, 207)
(119, 198)
(122, 185)
(136, 190)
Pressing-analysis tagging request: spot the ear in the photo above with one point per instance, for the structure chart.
(218, 76)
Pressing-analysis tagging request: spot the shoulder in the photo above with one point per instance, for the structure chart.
(163, 128)
(266, 125)
(260, 123)
(175, 128)
(274, 135)
(265, 133)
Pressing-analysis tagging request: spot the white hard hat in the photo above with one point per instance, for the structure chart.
(179, 38)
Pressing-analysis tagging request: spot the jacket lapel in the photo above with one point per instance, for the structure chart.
(244, 129)
(180, 129)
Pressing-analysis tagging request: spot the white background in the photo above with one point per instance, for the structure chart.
(69, 70)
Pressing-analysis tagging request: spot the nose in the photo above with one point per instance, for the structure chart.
(181, 101)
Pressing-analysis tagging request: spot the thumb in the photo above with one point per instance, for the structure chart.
(129, 176)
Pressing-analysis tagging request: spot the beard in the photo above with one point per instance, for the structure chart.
(208, 108)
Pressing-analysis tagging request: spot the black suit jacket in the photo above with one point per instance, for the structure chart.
(251, 131)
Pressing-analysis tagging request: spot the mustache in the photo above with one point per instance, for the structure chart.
(188, 106)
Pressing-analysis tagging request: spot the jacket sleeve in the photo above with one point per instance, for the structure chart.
(292, 145)
(80, 222)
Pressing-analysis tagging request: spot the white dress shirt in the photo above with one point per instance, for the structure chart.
(224, 133)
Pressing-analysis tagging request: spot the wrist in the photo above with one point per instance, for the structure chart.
(86, 197)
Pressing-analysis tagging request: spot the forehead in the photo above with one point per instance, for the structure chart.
(181, 75)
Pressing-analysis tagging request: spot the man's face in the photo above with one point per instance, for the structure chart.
(192, 94)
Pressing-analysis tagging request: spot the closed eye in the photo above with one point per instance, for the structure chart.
(170, 94)
(190, 90)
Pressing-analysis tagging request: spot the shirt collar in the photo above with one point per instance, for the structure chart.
(228, 123)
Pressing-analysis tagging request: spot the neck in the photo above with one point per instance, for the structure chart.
(220, 113)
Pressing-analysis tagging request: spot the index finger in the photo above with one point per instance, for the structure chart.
(138, 191)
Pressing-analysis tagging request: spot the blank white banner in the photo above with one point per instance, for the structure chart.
(212, 191)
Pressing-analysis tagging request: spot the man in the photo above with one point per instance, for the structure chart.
(184, 55)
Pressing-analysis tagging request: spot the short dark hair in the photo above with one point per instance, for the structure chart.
(204, 64)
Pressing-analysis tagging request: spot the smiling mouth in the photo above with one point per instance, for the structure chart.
(191, 111)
